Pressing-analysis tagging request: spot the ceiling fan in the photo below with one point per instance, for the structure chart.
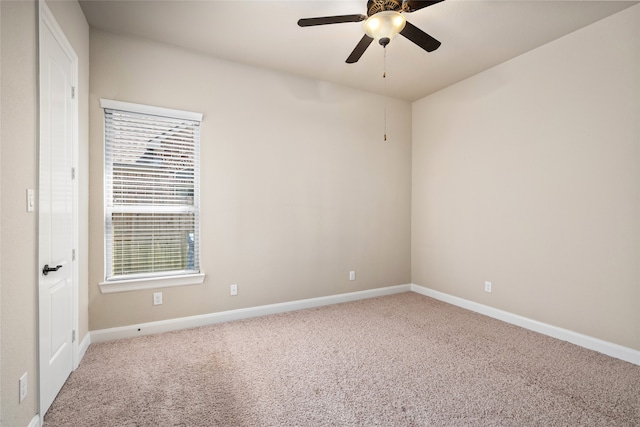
(383, 22)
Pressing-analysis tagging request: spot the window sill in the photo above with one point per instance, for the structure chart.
(150, 283)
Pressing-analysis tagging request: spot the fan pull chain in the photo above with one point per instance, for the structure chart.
(384, 76)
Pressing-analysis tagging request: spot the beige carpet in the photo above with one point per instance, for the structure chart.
(401, 360)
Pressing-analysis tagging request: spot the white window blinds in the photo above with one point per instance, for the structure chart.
(152, 192)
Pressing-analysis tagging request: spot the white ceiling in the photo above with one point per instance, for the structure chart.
(475, 35)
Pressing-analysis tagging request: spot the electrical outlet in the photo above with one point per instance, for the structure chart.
(23, 387)
(157, 298)
(352, 275)
(233, 290)
(487, 286)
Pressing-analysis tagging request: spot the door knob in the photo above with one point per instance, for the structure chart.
(46, 269)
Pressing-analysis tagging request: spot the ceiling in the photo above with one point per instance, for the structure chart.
(475, 35)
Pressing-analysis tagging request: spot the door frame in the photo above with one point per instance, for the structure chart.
(47, 19)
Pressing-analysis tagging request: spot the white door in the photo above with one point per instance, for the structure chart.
(55, 215)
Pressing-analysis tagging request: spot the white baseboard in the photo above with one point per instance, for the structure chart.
(243, 313)
(605, 347)
(35, 421)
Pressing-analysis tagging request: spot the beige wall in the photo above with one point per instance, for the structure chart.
(298, 186)
(18, 228)
(528, 175)
(18, 171)
(0, 212)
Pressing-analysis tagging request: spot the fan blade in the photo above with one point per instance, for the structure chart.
(419, 37)
(309, 22)
(362, 45)
(413, 5)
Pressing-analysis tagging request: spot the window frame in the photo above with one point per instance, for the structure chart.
(123, 284)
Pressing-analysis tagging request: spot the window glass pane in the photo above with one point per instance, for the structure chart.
(151, 243)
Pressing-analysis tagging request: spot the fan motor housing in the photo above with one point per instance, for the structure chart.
(375, 6)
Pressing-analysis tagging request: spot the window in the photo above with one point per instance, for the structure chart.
(152, 183)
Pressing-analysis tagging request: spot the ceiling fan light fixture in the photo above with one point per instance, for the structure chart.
(384, 26)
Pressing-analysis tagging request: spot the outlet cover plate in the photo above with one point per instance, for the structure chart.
(23, 387)
(487, 286)
(233, 290)
(157, 298)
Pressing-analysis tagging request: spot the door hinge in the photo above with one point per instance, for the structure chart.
(73, 173)
(73, 92)
(73, 254)
(73, 336)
